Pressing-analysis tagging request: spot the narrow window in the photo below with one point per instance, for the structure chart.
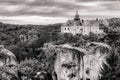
(68, 28)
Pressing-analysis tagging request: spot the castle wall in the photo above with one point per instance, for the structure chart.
(84, 30)
(96, 30)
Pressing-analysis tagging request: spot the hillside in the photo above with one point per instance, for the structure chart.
(10, 36)
(29, 52)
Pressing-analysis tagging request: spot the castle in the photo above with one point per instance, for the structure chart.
(79, 26)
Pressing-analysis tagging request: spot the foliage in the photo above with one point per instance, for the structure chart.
(28, 66)
(7, 72)
(113, 71)
(32, 58)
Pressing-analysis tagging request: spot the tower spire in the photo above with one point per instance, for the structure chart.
(76, 12)
(76, 16)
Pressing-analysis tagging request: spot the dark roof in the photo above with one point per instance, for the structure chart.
(78, 22)
(76, 16)
(82, 23)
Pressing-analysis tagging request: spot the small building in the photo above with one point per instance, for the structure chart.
(30, 35)
(22, 38)
(79, 26)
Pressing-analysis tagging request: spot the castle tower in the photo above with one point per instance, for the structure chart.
(77, 16)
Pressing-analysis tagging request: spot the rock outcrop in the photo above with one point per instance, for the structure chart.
(8, 63)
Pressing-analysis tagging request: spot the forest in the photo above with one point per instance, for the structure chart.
(31, 58)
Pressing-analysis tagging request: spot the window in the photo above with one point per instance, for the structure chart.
(81, 29)
(65, 28)
(96, 31)
(68, 28)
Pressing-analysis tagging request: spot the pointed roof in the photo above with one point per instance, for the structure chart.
(77, 16)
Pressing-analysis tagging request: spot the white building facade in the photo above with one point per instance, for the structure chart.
(84, 27)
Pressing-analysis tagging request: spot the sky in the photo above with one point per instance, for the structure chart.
(55, 11)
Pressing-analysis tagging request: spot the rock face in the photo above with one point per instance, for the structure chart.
(94, 60)
(8, 63)
(74, 63)
(67, 65)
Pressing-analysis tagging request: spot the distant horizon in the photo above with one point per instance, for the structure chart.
(15, 22)
(42, 12)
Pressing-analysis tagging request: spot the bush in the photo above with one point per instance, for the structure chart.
(33, 69)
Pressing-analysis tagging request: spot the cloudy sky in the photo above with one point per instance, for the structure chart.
(55, 11)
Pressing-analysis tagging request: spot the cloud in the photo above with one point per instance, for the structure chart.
(58, 8)
(32, 20)
(94, 0)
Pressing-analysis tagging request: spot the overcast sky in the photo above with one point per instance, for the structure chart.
(55, 11)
